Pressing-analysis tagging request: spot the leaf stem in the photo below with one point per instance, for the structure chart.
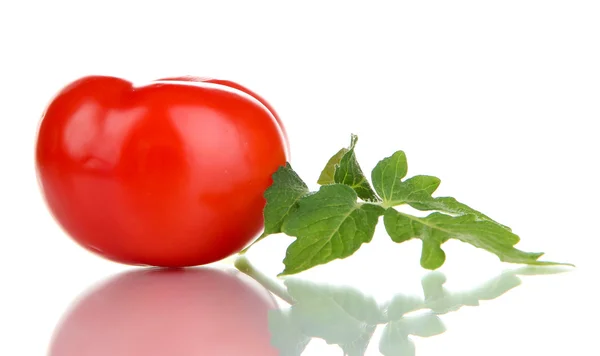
(391, 203)
(242, 252)
(243, 265)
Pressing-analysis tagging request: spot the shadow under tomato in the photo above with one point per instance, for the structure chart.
(157, 312)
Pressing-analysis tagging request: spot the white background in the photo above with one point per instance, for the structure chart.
(500, 99)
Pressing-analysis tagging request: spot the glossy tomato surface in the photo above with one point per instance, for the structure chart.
(196, 311)
(237, 86)
(171, 173)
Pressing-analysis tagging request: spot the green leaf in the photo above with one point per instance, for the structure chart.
(328, 172)
(328, 225)
(331, 224)
(387, 173)
(387, 179)
(438, 228)
(348, 172)
(449, 205)
(415, 189)
(282, 197)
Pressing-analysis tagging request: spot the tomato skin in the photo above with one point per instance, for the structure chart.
(234, 85)
(166, 174)
(152, 312)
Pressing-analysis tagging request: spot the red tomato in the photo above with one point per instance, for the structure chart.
(171, 173)
(168, 312)
(238, 87)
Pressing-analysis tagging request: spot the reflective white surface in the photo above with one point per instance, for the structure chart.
(220, 311)
(498, 99)
(492, 309)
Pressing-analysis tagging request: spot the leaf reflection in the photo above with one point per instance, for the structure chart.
(347, 317)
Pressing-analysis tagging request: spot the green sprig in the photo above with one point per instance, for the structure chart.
(333, 222)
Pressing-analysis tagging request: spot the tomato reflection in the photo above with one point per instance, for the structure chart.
(168, 312)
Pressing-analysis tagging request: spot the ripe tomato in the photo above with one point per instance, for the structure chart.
(168, 312)
(238, 87)
(171, 173)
